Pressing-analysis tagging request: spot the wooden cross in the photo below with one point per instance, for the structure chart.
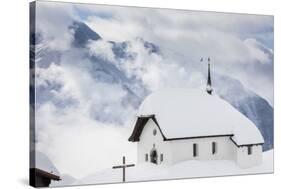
(124, 166)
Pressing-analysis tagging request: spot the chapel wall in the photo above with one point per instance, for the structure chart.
(245, 160)
(175, 151)
(149, 141)
(183, 149)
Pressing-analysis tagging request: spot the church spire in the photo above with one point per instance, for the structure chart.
(209, 88)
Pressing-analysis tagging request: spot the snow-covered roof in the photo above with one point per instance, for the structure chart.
(183, 113)
(42, 162)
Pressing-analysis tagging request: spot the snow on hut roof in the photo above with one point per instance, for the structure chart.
(183, 113)
(42, 162)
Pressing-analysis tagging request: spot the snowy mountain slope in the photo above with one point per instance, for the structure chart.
(257, 109)
(185, 169)
(82, 33)
(105, 71)
(101, 70)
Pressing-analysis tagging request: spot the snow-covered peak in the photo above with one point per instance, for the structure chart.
(189, 113)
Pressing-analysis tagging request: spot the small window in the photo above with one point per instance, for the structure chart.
(161, 157)
(195, 150)
(154, 132)
(146, 157)
(214, 147)
(249, 150)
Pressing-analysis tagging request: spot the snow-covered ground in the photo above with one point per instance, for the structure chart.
(186, 169)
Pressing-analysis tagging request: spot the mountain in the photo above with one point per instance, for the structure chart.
(256, 108)
(253, 106)
(82, 33)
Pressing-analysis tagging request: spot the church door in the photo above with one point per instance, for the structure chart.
(153, 156)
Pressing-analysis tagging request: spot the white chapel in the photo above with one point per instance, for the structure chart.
(175, 125)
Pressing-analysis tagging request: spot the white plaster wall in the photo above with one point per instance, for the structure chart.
(183, 149)
(180, 150)
(245, 161)
(147, 139)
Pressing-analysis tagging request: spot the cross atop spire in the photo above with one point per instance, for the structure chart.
(209, 88)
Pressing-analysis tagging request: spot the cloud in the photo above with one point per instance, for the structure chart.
(73, 131)
(233, 41)
(53, 21)
(78, 145)
(101, 49)
(256, 51)
(152, 69)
